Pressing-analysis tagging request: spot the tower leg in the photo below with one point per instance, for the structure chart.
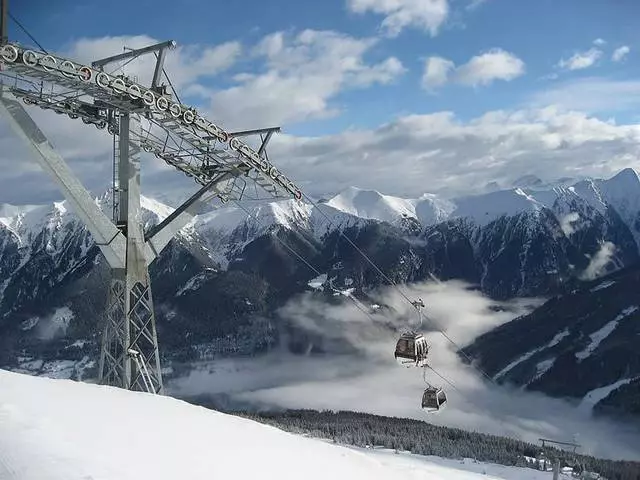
(130, 327)
(113, 354)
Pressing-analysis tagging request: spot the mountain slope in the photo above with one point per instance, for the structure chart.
(50, 430)
(583, 345)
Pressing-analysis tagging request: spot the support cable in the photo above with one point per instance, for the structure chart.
(357, 303)
(121, 67)
(27, 32)
(394, 284)
(462, 394)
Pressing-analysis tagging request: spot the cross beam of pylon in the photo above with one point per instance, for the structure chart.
(218, 160)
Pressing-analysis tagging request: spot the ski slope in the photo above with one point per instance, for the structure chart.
(65, 430)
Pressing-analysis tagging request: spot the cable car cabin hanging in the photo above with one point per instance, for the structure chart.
(433, 399)
(412, 350)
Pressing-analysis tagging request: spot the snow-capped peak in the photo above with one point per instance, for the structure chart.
(622, 192)
(373, 205)
(483, 209)
(27, 221)
(626, 177)
(431, 209)
(287, 213)
(356, 205)
(159, 209)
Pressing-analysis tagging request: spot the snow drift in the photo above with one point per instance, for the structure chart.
(60, 429)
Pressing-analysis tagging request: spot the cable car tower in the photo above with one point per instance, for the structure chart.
(557, 457)
(140, 118)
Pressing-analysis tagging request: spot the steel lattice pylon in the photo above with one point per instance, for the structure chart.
(145, 119)
(126, 333)
(129, 356)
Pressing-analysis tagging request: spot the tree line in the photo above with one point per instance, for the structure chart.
(419, 437)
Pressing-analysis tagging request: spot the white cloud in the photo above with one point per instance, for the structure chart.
(599, 42)
(620, 53)
(483, 69)
(550, 76)
(592, 95)
(186, 64)
(473, 4)
(440, 154)
(495, 64)
(599, 261)
(427, 15)
(436, 72)
(370, 381)
(302, 74)
(295, 79)
(566, 223)
(581, 60)
(410, 155)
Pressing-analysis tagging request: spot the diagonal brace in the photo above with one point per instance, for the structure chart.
(158, 237)
(263, 146)
(134, 53)
(111, 241)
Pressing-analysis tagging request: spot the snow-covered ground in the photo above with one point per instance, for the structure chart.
(59, 429)
(598, 336)
(594, 396)
(554, 341)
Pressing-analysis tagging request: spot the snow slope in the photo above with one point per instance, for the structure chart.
(526, 356)
(373, 205)
(598, 336)
(594, 396)
(26, 222)
(59, 429)
(483, 209)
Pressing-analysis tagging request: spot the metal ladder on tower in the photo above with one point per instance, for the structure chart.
(116, 172)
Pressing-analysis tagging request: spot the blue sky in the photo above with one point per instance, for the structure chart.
(540, 33)
(492, 55)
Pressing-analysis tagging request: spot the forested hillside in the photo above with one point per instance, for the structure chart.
(361, 429)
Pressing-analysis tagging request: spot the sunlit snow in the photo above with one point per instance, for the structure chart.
(64, 430)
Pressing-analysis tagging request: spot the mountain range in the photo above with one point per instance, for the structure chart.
(582, 345)
(219, 283)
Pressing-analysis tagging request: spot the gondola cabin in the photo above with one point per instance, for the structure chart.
(412, 350)
(433, 399)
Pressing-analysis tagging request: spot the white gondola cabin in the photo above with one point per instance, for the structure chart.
(433, 399)
(412, 350)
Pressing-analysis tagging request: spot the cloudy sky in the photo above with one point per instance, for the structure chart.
(402, 96)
